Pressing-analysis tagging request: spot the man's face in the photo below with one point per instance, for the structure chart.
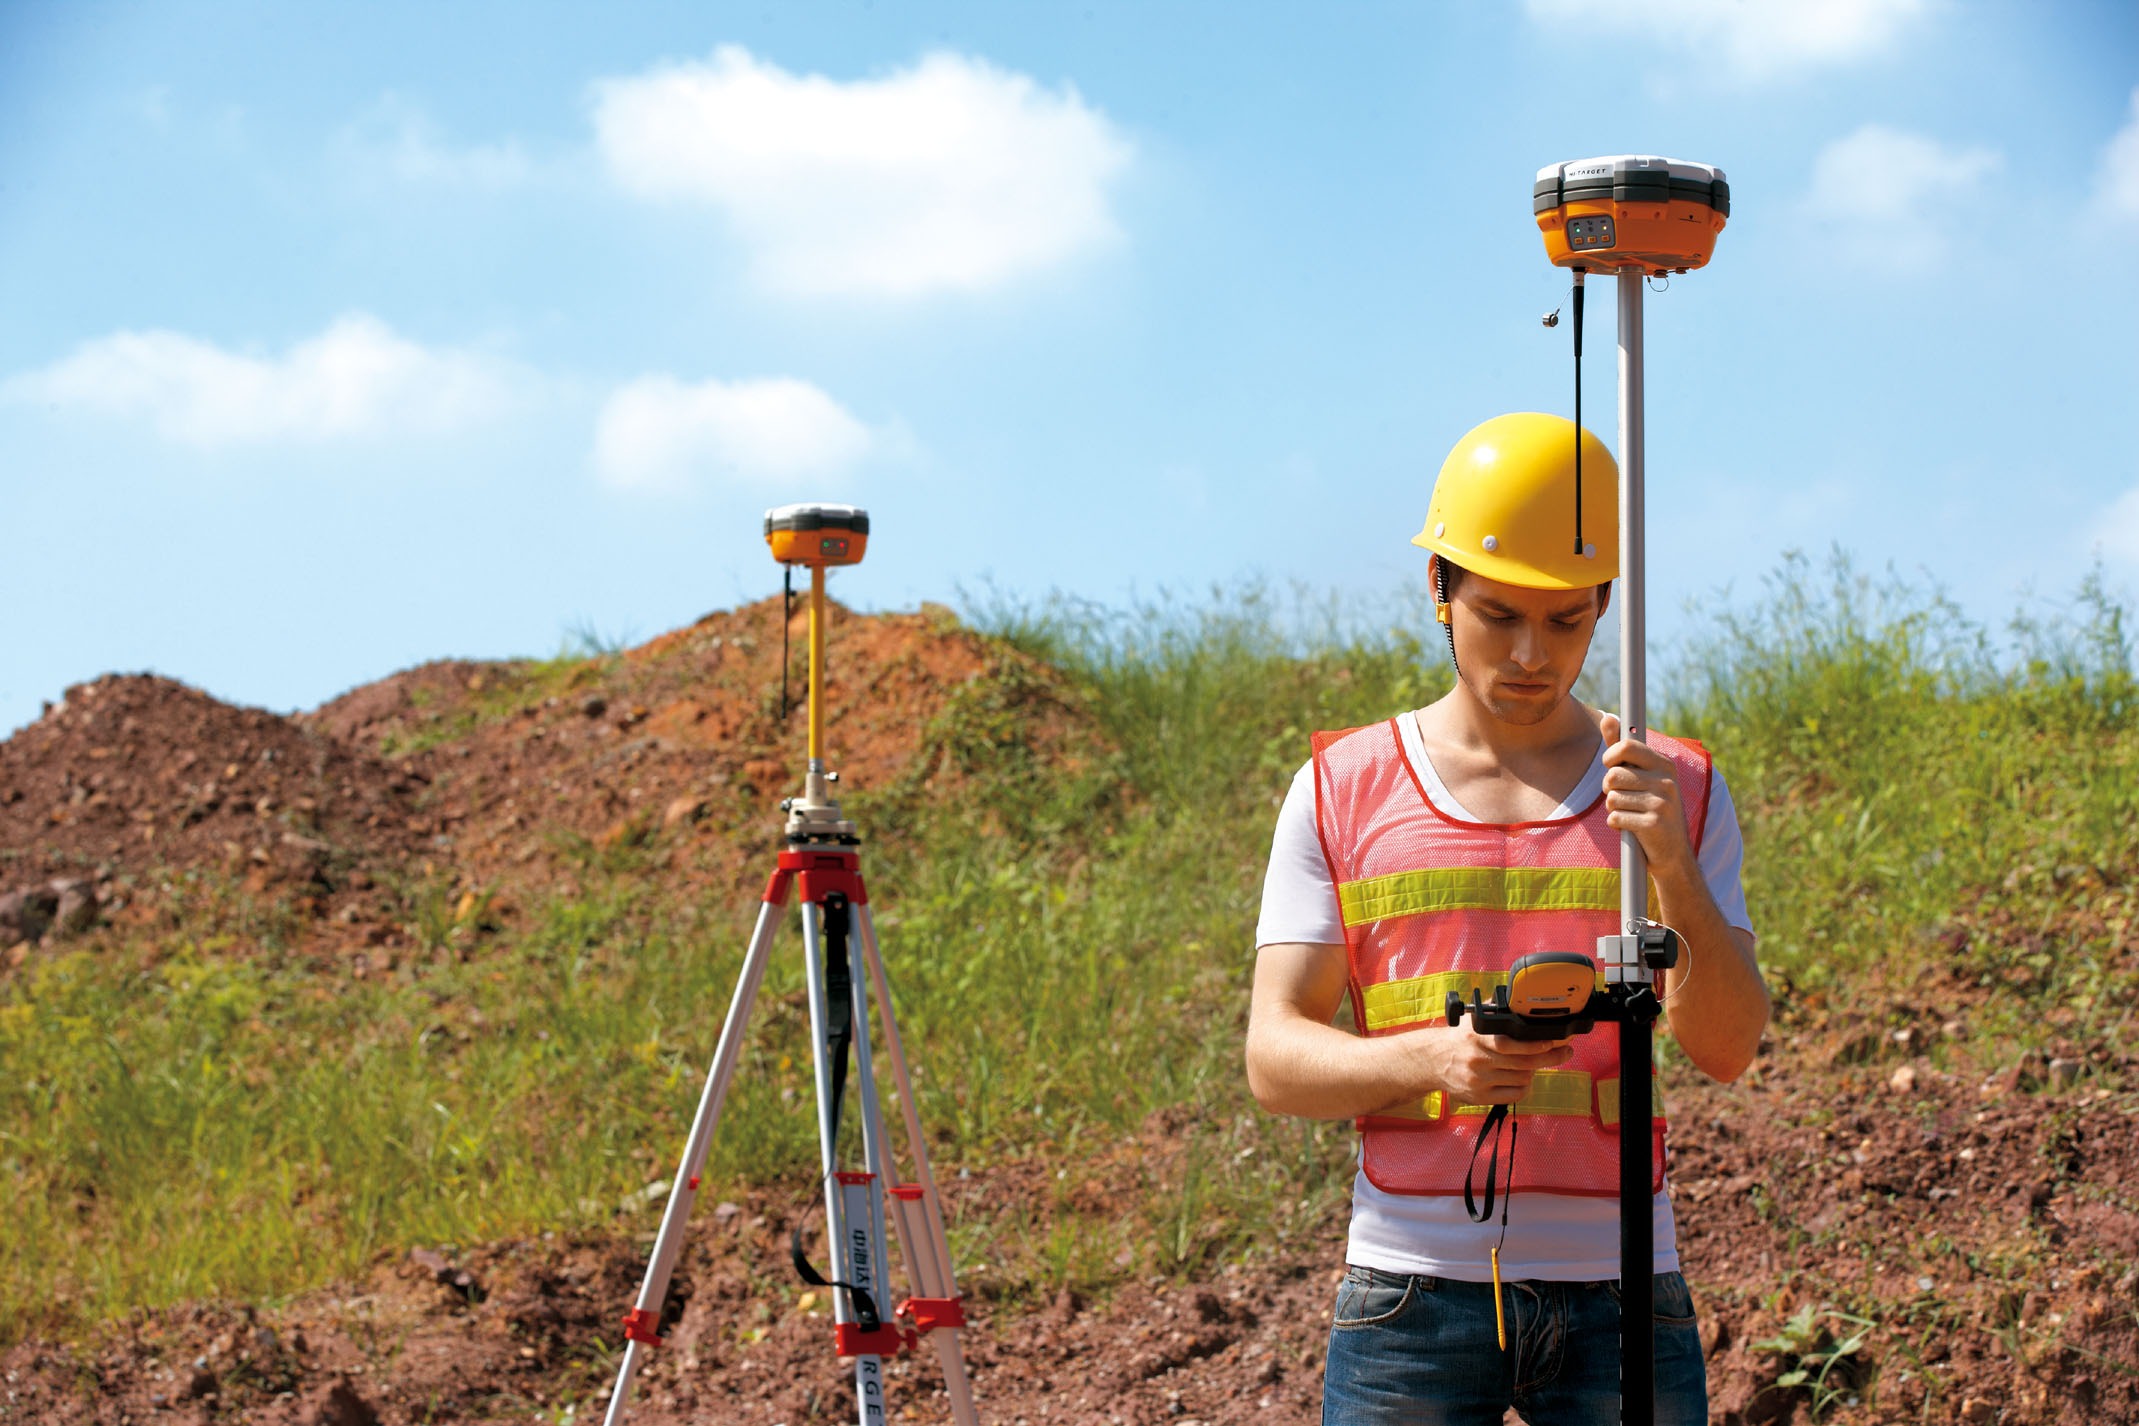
(1518, 650)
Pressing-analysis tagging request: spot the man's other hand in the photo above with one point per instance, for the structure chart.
(1642, 796)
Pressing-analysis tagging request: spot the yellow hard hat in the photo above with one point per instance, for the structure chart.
(1504, 504)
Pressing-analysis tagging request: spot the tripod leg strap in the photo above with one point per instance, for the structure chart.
(866, 1316)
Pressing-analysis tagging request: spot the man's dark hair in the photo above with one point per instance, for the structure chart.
(1447, 575)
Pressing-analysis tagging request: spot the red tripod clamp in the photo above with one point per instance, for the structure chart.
(821, 872)
(926, 1314)
(929, 1313)
(850, 1340)
(642, 1326)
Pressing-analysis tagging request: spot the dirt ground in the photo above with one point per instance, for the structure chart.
(1940, 1177)
(1992, 1215)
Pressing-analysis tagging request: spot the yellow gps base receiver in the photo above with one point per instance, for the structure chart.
(1631, 213)
(817, 536)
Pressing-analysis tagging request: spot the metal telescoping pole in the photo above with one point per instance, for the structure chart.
(668, 1246)
(1637, 1247)
(868, 1369)
(817, 632)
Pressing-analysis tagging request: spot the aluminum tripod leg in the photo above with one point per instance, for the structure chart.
(668, 1246)
(857, 1248)
(920, 1217)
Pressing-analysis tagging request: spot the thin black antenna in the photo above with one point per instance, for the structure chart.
(787, 616)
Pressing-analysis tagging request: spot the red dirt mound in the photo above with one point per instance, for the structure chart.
(135, 774)
(681, 739)
(487, 776)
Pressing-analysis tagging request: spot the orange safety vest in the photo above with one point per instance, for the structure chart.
(1430, 905)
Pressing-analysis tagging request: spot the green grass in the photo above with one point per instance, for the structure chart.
(210, 1115)
(1903, 778)
(509, 688)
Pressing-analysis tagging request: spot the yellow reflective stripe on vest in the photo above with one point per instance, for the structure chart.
(1479, 888)
(1568, 1093)
(1425, 997)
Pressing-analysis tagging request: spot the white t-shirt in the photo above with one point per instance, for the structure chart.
(1555, 1237)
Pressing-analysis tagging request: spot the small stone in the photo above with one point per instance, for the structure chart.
(2063, 1072)
(337, 1404)
(24, 915)
(1978, 1412)
(1903, 1080)
(74, 908)
(682, 809)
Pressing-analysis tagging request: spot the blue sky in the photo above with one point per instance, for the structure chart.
(336, 338)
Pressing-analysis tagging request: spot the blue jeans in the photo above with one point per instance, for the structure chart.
(1423, 1351)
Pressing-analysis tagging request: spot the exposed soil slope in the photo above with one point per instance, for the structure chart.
(134, 780)
(480, 775)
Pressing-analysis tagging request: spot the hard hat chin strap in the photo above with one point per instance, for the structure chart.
(1442, 610)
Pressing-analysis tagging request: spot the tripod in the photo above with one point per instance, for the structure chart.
(821, 868)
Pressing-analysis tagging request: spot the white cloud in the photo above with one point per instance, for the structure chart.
(658, 433)
(950, 175)
(2116, 533)
(397, 138)
(355, 379)
(1754, 39)
(2117, 185)
(1888, 197)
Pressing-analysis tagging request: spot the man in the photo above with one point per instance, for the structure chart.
(1428, 853)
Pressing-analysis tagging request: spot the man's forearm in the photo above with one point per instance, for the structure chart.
(1296, 1066)
(1715, 1001)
